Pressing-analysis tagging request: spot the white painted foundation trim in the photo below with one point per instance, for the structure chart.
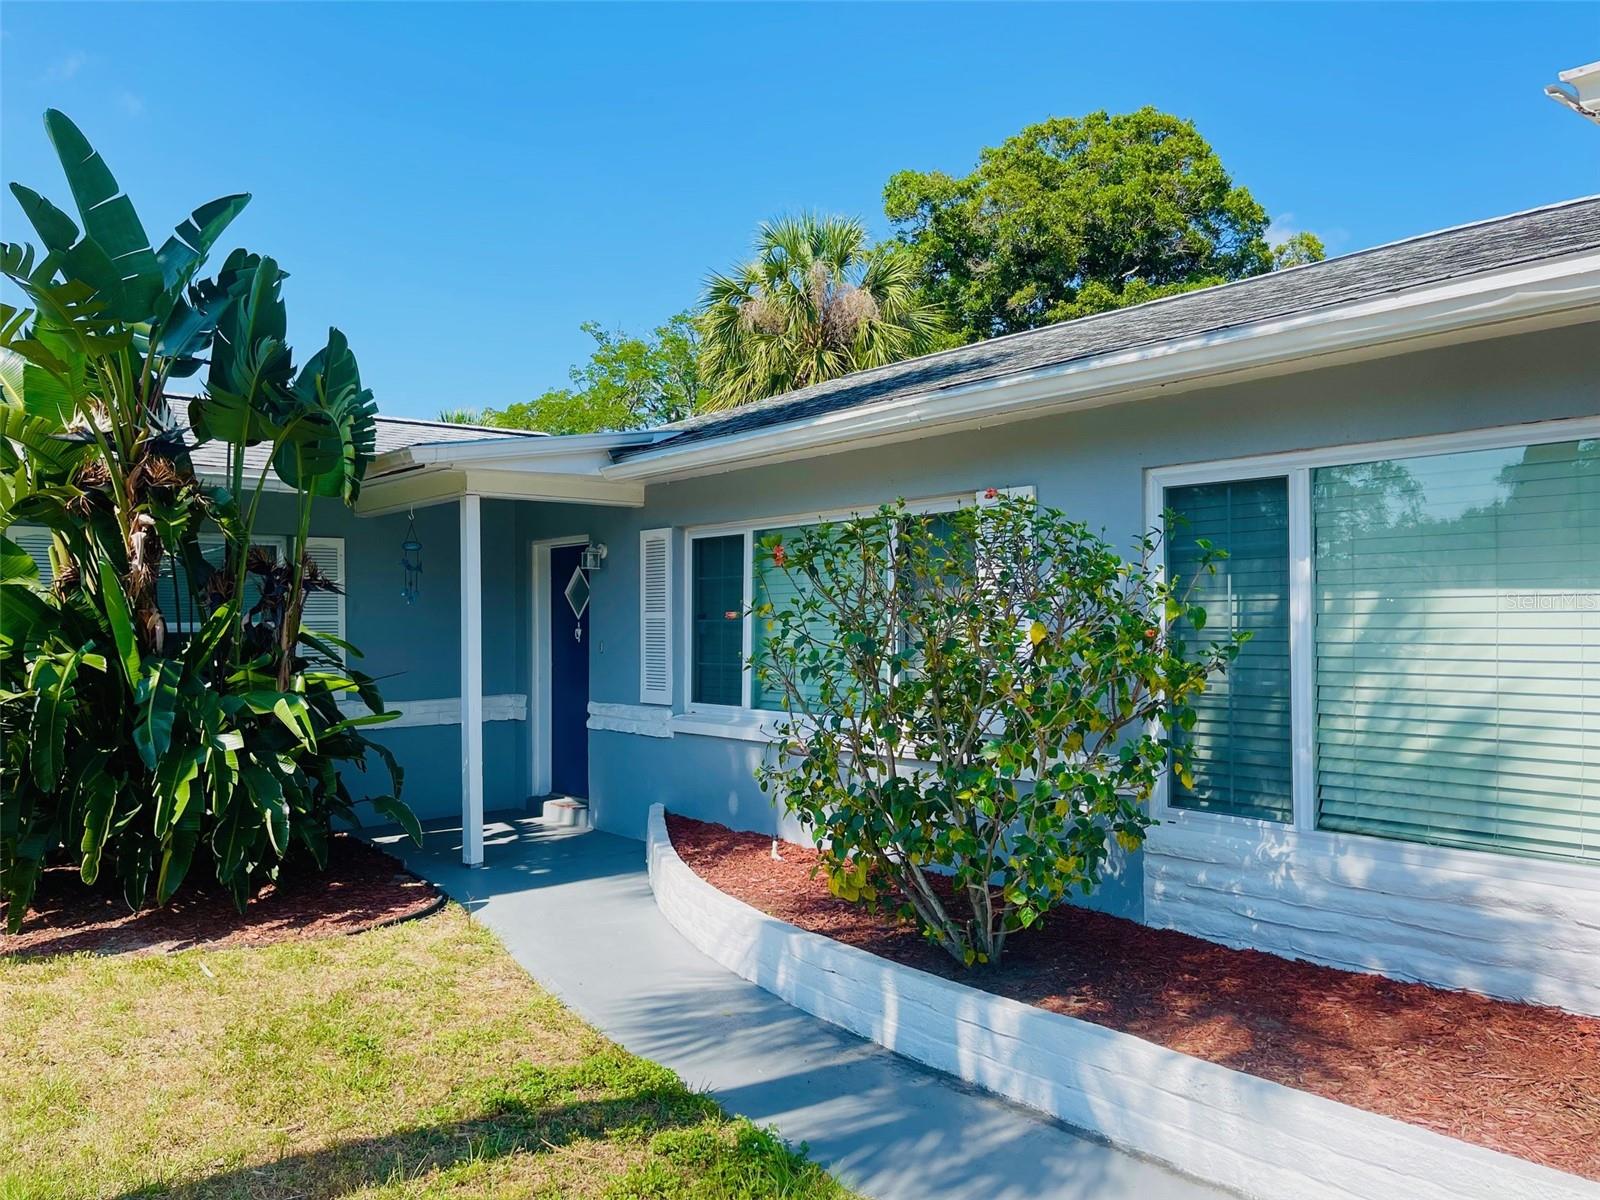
(1516, 928)
(646, 720)
(1217, 1124)
(442, 710)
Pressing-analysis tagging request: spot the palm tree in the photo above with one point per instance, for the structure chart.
(815, 303)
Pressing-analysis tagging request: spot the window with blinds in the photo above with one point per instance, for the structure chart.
(1241, 757)
(716, 643)
(772, 584)
(1457, 649)
(35, 542)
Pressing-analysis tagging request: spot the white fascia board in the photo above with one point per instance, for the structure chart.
(577, 453)
(1542, 295)
(557, 486)
(421, 488)
(1585, 81)
(412, 489)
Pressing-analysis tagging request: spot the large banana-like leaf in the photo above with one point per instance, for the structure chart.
(178, 854)
(332, 430)
(16, 564)
(266, 793)
(251, 368)
(56, 230)
(31, 447)
(192, 241)
(97, 792)
(50, 681)
(189, 326)
(11, 364)
(155, 703)
(175, 779)
(110, 223)
(121, 624)
(400, 814)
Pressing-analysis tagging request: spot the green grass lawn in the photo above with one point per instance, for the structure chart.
(414, 1061)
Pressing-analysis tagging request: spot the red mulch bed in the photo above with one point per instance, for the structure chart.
(362, 888)
(1518, 1078)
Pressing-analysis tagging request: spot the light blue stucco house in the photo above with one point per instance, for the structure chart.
(1400, 448)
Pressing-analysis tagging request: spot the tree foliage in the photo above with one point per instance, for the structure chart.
(628, 383)
(1075, 216)
(815, 303)
(155, 706)
(979, 705)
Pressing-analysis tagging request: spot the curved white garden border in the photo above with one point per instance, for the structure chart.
(1217, 1124)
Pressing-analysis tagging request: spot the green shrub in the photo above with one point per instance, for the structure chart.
(979, 703)
(135, 743)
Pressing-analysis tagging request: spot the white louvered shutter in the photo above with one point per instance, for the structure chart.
(655, 616)
(34, 539)
(324, 611)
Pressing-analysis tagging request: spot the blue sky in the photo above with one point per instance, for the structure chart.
(458, 186)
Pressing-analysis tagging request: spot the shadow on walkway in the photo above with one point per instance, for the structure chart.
(576, 910)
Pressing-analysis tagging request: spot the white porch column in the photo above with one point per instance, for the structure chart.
(471, 682)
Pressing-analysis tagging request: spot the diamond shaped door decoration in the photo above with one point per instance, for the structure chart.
(577, 592)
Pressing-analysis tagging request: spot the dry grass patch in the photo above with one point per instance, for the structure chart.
(414, 1061)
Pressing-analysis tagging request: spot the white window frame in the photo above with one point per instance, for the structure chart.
(1296, 466)
(721, 717)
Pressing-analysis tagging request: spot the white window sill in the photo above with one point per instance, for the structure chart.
(739, 726)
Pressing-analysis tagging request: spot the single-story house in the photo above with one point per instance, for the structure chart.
(1400, 448)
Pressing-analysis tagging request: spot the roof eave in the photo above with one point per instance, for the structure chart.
(509, 453)
(1546, 293)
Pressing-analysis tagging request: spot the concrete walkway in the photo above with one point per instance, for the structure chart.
(575, 909)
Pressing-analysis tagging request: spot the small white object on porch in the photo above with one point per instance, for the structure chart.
(471, 681)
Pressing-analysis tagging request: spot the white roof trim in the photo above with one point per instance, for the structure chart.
(542, 453)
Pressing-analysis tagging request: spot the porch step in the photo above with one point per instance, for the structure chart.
(566, 813)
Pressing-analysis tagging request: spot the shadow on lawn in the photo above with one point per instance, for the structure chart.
(507, 1126)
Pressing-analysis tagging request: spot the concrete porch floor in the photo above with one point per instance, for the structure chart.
(576, 910)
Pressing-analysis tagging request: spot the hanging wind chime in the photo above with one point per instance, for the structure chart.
(411, 561)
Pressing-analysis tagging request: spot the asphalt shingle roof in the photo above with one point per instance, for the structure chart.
(1433, 258)
(393, 433)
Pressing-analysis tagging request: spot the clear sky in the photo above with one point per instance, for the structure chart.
(457, 186)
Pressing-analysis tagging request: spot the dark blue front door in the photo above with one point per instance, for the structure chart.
(569, 673)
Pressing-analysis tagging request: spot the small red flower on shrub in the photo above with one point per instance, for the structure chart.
(779, 555)
(991, 493)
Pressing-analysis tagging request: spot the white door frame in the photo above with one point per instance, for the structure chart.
(539, 717)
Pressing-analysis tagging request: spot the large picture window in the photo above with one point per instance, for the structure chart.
(1425, 664)
(1458, 648)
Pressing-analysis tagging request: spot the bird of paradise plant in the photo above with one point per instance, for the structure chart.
(130, 745)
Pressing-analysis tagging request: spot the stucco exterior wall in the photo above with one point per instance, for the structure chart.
(1090, 464)
(413, 650)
